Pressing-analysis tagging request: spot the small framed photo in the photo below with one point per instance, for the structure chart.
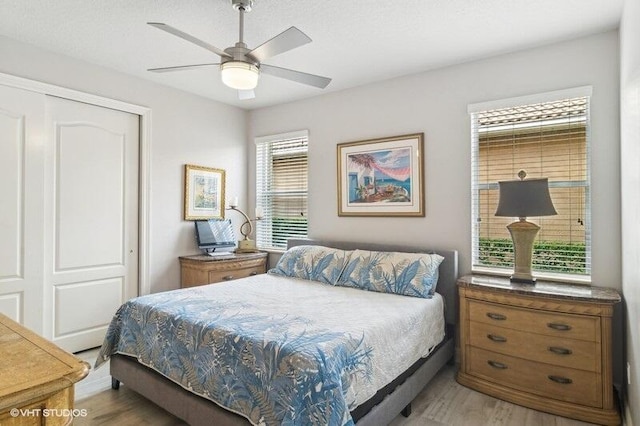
(381, 177)
(203, 193)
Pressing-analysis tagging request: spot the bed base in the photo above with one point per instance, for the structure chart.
(197, 411)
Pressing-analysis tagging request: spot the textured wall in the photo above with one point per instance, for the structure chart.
(435, 103)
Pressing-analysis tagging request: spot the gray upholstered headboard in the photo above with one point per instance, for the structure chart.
(448, 268)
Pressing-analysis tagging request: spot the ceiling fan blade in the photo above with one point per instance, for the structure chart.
(297, 76)
(286, 40)
(190, 38)
(179, 68)
(246, 94)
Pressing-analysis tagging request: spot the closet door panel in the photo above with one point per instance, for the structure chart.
(21, 206)
(89, 201)
(107, 293)
(91, 248)
(12, 150)
(11, 305)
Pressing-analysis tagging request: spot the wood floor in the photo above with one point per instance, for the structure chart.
(443, 402)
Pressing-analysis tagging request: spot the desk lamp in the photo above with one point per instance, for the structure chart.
(246, 245)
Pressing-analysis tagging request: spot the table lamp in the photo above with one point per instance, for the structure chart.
(522, 198)
(246, 245)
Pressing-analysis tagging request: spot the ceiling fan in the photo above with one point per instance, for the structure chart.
(240, 67)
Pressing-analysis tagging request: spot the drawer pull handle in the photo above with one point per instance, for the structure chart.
(253, 273)
(496, 338)
(498, 317)
(559, 327)
(560, 351)
(496, 364)
(560, 379)
(228, 278)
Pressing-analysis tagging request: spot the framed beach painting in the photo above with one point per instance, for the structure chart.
(381, 177)
(203, 193)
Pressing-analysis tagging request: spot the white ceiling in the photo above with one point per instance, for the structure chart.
(354, 42)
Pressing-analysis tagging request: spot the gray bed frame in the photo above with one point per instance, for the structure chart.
(198, 411)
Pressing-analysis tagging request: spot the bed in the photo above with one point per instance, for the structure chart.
(337, 369)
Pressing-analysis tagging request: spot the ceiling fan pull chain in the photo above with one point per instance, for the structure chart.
(241, 37)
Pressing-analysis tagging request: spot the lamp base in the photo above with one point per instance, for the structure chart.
(523, 234)
(519, 280)
(247, 246)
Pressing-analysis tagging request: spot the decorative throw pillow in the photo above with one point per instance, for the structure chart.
(316, 263)
(409, 274)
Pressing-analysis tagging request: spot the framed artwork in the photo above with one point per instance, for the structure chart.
(381, 177)
(203, 193)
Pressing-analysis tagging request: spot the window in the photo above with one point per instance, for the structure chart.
(546, 139)
(281, 189)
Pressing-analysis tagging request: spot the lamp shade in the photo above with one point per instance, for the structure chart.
(525, 198)
(239, 75)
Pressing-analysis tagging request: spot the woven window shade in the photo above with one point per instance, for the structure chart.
(281, 190)
(546, 140)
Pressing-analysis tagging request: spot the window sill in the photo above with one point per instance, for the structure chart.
(272, 251)
(549, 276)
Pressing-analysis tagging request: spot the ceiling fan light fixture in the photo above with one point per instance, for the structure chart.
(239, 75)
(240, 67)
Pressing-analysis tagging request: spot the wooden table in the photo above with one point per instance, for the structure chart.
(36, 378)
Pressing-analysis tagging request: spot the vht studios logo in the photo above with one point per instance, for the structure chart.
(48, 412)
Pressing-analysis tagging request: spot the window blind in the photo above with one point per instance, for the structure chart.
(549, 139)
(281, 189)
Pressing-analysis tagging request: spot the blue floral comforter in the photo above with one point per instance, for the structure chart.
(277, 350)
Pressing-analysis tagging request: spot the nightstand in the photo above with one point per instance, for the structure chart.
(204, 269)
(545, 346)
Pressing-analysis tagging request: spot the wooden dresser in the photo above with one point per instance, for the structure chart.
(204, 269)
(545, 346)
(36, 378)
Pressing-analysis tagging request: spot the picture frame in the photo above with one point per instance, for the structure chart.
(203, 192)
(381, 177)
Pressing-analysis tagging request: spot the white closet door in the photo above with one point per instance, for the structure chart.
(21, 205)
(91, 237)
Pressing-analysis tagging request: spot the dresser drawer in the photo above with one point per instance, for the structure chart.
(572, 353)
(560, 325)
(561, 383)
(201, 270)
(219, 276)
